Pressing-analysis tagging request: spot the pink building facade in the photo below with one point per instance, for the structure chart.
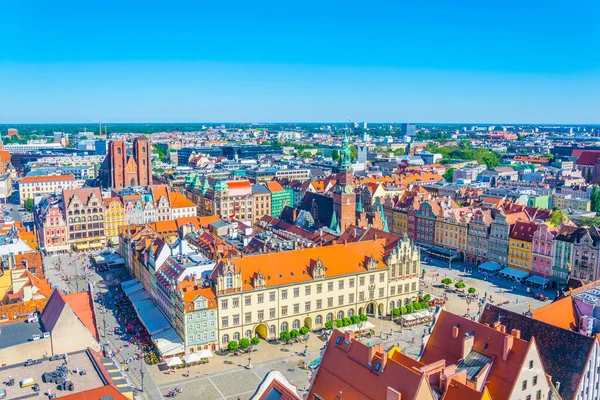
(543, 251)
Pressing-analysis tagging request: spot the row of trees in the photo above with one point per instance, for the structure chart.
(410, 308)
(293, 334)
(464, 152)
(242, 344)
(340, 323)
(458, 285)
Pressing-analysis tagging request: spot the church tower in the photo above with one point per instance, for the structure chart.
(344, 198)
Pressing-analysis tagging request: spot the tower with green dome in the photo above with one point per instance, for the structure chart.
(344, 198)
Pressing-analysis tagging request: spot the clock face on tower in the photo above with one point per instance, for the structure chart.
(348, 189)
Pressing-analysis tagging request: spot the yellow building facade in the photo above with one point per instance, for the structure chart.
(114, 218)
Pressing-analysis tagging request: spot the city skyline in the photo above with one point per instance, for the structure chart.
(241, 63)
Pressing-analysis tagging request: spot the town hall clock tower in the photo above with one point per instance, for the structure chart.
(344, 198)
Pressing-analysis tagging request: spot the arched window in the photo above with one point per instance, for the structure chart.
(95, 218)
(89, 219)
(236, 336)
(70, 220)
(70, 212)
(95, 210)
(284, 326)
(329, 317)
(399, 303)
(225, 339)
(119, 152)
(229, 281)
(101, 217)
(340, 315)
(318, 320)
(143, 149)
(248, 334)
(296, 324)
(77, 220)
(350, 312)
(272, 329)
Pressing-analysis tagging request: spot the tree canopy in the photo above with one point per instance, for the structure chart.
(464, 152)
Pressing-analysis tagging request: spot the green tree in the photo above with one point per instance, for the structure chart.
(329, 325)
(416, 306)
(588, 221)
(335, 155)
(303, 330)
(459, 285)
(558, 217)
(403, 310)
(448, 174)
(472, 290)
(595, 199)
(363, 317)
(284, 335)
(255, 341)
(409, 308)
(424, 305)
(244, 343)
(233, 345)
(339, 323)
(294, 333)
(427, 297)
(347, 321)
(28, 205)
(447, 281)
(353, 152)
(396, 312)
(355, 319)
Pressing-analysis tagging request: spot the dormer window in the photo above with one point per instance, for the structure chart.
(372, 263)
(229, 281)
(377, 366)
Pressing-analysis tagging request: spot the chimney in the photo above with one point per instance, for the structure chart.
(467, 345)
(393, 394)
(455, 332)
(508, 343)
(516, 333)
(348, 336)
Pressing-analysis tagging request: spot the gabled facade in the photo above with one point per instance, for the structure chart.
(498, 243)
(543, 251)
(478, 236)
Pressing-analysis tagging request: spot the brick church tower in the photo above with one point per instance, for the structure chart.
(344, 198)
(120, 170)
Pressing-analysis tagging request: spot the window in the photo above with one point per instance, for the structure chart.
(377, 366)
(236, 302)
(372, 279)
(296, 324)
(260, 298)
(225, 339)
(236, 319)
(224, 304)
(236, 336)
(261, 315)
(538, 394)
(272, 313)
(248, 317)
(229, 280)
(307, 306)
(392, 290)
(361, 281)
(296, 292)
(361, 296)
(319, 288)
(284, 310)
(272, 329)
(318, 320)
(524, 385)
(248, 300)
(351, 298)
(190, 317)
(284, 326)
(530, 364)
(225, 322)
(528, 397)
(330, 302)
(319, 304)
(382, 277)
(248, 334)
(535, 380)
(296, 308)
(272, 296)
(340, 315)
(340, 285)
(330, 286)
(284, 294)
(340, 300)
(329, 317)
(381, 292)
(351, 283)
(307, 290)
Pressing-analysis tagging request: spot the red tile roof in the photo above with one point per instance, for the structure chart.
(275, 187)
(96, 394)
(524, 231)
(82, 305)
(47, 178)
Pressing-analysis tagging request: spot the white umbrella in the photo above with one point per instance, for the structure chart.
(171, 362)
(205, 354)
(191, 358)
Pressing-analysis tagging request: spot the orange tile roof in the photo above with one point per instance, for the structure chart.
(5, 155)
(161, 227)
(83, 306)
(47, 178)
(178, 200)
(274, 186)
(159, 191)
(502, 376)
(96, 394)
(83, 194)
(287, 267)
(458, 391)
(207, 293)
(559, 313)
(107, 201)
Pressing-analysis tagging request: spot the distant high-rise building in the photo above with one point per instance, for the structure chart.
(101, 147)
(121, 170)
(409, 130)
(365, 126)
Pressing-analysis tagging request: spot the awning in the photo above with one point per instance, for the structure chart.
(132, 289)
(82, 246)
(191, 358)
(168, 342)
(408, 317)
(129, 283)
(514, 273)
(490, 266)
(152, 318)
(205, 354)
(139, 297)
(538, 280)
(171, 362)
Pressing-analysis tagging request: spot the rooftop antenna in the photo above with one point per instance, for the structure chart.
(100, 130)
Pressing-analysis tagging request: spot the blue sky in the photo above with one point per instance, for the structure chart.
(421, 61)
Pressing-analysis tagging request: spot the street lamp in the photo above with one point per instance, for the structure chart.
(468, 300)
(142, 371)
(306, 345)
(250, 357)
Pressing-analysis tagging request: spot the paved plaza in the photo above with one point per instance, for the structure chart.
(227, 377)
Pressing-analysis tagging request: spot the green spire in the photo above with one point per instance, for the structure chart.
(221, 186)
(334, 222)
(345, 155)
(205, 185)
(359, 204)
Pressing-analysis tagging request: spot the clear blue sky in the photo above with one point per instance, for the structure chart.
(421, 61)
